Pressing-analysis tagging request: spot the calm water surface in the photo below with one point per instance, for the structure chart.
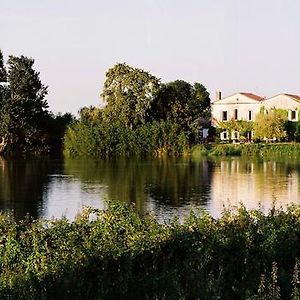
(52, 187)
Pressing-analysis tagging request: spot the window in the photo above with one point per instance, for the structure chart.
(235, 114)
(224, 115)
(250, 115)
(249, 135)
(225, 135)
(293, 115)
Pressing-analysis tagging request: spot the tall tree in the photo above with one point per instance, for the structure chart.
(172, 102)
(23, 107)
(270, 125)
(182, 103)
(128, 93)
(200, 105)
(2, 69)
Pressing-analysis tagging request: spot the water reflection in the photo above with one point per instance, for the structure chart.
(167, 187)
(22, 184)
(254, 183)
(167, 182)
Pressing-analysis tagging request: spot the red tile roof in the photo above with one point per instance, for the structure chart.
(293, 96)
(253, 96)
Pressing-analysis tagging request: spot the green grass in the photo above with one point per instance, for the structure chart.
(258, 150)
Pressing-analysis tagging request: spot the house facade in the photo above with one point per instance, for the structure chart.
(288, 102)
(245, 106)
(239, 106)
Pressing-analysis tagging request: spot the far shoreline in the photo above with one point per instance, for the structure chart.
(287, 149)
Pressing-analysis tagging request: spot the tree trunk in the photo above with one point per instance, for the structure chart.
(3, 145)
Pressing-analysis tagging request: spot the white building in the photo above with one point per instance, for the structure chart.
(289, 102)
(245, 106)
(239, 106)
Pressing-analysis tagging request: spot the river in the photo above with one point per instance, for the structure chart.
(52, 188)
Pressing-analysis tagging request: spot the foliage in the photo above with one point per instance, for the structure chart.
(141, 117)
(3, 75)
(23, 108)
(114, 139)
(241, 126)
(56, 126)
(181, 103)
(116, 254)
(244, 127)
(92, 115)
(128, 93)
(292, 130)
(270, 125)
(199, 150)
(259, 149)
(26, 125)
(226, 150)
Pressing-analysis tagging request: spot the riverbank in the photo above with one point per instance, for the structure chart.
(258, 150)
(116, 254)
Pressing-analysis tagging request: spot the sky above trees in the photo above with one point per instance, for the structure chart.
(227, 45)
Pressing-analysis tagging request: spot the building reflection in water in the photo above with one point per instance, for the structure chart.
(253, 183)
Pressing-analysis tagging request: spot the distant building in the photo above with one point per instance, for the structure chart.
(239, 106)
(245, 106)
(289, 102)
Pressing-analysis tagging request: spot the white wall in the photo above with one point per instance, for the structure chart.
(242, 103)
(281, 102)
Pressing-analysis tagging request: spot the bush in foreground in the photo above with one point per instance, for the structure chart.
(116, 254)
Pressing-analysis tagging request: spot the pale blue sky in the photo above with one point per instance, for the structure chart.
(228, 45)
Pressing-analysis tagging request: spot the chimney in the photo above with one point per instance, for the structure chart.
(218, 95)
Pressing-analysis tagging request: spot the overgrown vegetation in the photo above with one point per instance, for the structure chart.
(244, 128)
(113, 139)
(116, 254)
(142, 116)
(269, 125)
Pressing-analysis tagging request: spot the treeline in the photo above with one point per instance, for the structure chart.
(116, 254)
(26, 124)
(141, 116)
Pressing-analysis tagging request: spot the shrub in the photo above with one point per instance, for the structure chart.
(117, 254)
(114, 139)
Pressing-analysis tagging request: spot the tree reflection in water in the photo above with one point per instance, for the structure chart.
(22, 184)
(173, 181)
(51, 188)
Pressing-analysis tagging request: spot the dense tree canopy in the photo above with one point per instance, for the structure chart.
(2, 69)
(135, 97)
(182, 103)
(141, 115)
(128, 93)
(24, 109)
(244, 128)
(270, 125)
(26, 125)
